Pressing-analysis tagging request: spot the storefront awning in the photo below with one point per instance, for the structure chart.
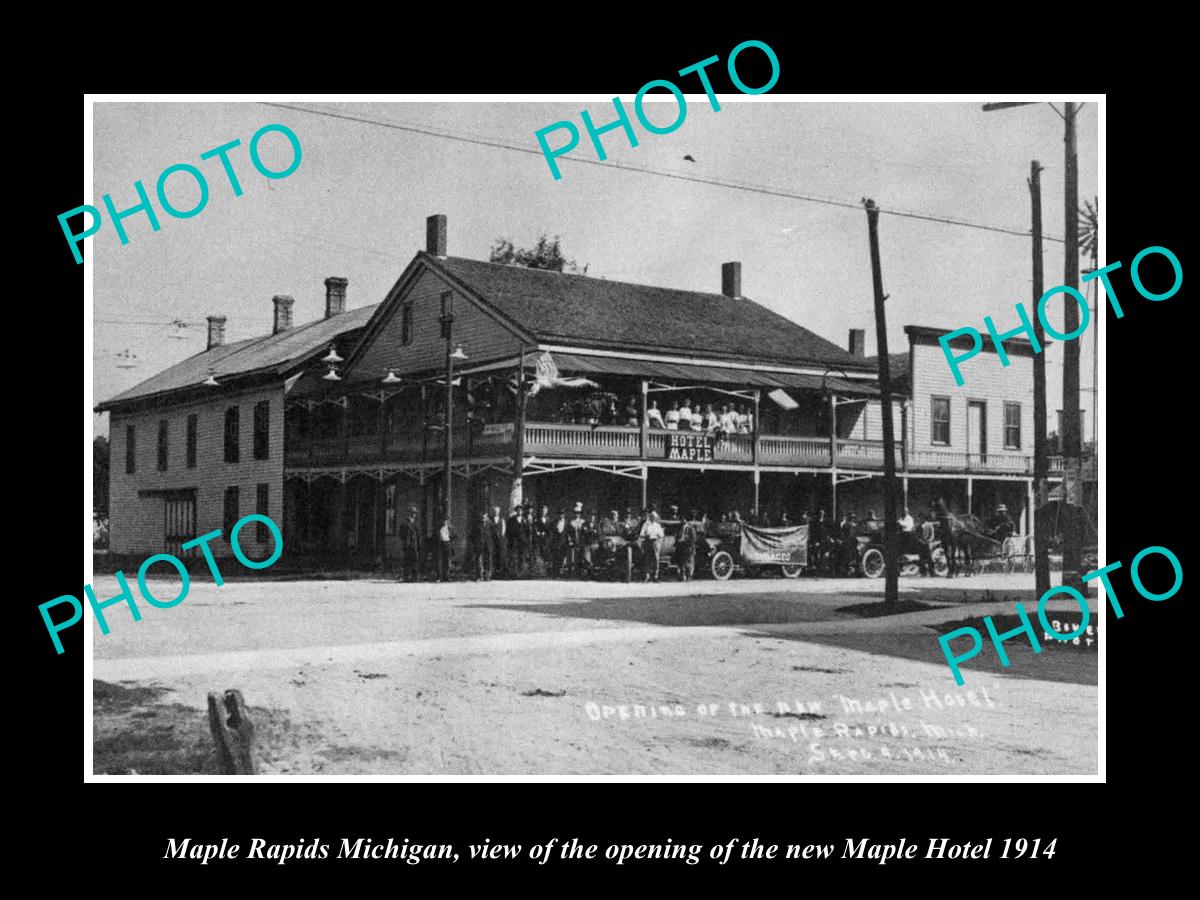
(702, 374)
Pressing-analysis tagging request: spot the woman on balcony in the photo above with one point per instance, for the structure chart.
(672, 417)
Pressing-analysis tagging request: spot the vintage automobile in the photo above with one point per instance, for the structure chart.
(870, 562)
(724, 541)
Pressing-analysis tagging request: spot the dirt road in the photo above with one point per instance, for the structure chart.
(752, 677)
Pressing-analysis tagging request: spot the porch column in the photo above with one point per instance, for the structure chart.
(757, 474)
(970, 491)
(904, 444)
(757, 430)
(1029, 511)
(345, 429)
(381, 523)
(833, 453)
(644, 435)
(645, 476)
(904, 487)
(516, 494)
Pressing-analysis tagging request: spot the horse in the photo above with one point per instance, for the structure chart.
(966, 536)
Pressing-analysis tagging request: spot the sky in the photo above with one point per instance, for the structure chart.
(356, 207)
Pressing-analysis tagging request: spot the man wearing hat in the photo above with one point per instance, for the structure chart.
(576, 543)
(409, 532)
(1002, 526)
(651, 537)
(498, 538)
(515, 538)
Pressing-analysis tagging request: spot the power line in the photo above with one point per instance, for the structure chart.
(641, 170)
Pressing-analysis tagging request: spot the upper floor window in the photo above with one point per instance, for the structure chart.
(192, 426)
(130, 450)
(262, 429)
(939, 418)
(163, 445)
(406, 323)
(232, 426)
(1012, 426)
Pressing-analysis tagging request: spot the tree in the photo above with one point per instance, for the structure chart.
(547, 254)
(100, 475)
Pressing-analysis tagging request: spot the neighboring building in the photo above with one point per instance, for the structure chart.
(347, 457)
(188, 457)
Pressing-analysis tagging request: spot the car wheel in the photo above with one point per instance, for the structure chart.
(722, 565)
(791, 571)
(871, 564)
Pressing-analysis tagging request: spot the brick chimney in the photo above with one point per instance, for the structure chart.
(283, 312)
(731, 279)
(858, 342)
(216, 331)
(435, 235)
(335, 296)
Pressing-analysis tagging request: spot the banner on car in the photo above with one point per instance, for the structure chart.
(778, 546)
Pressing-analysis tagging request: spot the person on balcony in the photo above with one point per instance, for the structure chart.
(654, 417)
(711, 420)
(745, 421)
(729, 420)
(672, 417)
(631, 413)
(685, 415)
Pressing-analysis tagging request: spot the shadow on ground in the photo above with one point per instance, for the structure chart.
(697, 610)
(918, 642)
(137, 729)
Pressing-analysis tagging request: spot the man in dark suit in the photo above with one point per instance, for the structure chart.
(498, 536)
(515, 539)
(409, 532)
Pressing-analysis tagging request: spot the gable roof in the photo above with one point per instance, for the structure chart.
(577, 310)
(272, 353)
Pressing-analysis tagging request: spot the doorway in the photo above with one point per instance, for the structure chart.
(976, 432)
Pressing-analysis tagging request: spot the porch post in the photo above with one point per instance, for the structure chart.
(754, 448)
(833, 452)
(904, 443)
(1029, 510)
(970, 491)
(517, 493)
(645, 476)
(644, 443)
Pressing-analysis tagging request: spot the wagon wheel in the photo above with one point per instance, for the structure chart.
(941, 566)
(722, 565)
(871, 564)
(791, 571)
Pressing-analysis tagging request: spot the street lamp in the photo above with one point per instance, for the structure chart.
(454, 353)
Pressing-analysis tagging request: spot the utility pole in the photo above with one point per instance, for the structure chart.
(891, 587)
(1040, 467)
(1072, 552)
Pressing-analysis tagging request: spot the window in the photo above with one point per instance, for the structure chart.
(939, 432)
(262, 506)
(130, 450)
(262, 429)
(231, 510)
(163, 445)
(192, 424)
(231, 434)
(1012, 426)
(406, 323)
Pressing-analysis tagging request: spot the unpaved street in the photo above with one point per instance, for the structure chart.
(750, 677)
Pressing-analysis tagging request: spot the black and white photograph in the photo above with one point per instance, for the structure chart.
(443, 437)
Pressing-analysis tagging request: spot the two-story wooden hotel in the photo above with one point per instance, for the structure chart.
(336, 427)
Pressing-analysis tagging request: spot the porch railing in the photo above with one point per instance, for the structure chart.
(551, 440)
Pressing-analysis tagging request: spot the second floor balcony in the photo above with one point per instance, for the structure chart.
(554, 441)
